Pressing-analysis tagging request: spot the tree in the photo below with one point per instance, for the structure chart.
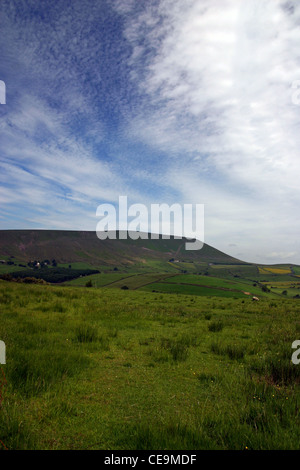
(265, 289)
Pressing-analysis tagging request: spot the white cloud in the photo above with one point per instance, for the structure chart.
(282, 254)
(216, 92)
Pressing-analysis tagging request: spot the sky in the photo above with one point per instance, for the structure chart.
(162, 101)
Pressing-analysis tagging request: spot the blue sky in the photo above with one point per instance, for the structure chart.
(165, 101)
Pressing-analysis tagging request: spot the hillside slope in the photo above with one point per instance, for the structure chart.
(74, 246)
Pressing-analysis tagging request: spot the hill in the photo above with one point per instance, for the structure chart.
(84, 246)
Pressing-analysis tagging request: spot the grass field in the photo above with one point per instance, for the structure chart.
(234, 271)
(109, 369)
(191, 290)
(216, 282)
(296, 270)
(189, 284)
(288, 288)
(274, 270)
(139, 280)
(4, 268)
(77, 265)
(98, 280)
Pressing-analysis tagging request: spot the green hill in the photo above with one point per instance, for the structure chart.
(84, 246)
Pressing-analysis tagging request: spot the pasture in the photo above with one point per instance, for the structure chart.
(105, 368)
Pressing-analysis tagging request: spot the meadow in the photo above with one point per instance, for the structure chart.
(103, 368)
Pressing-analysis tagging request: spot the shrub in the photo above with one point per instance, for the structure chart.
(233, 351)
(178, 347)
(277, 369)
(86, 334)
(53, 275)
(216, 326)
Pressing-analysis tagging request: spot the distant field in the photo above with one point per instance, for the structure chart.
(284, 284)
(119, 280)
(213, 279)
(207, 280)
(163, 282)
(155, 266)
(208, 285)
(191, 290)
(288, 288)
(4, 268)
(296, 270)
(276, 277)
(98, 280)
(189, 284)
(288, 291)
(274, 270)
(77, 265)
(230, 271)
(139, 280)
(184, 266)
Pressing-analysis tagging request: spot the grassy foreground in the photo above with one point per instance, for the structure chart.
(110, 369)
